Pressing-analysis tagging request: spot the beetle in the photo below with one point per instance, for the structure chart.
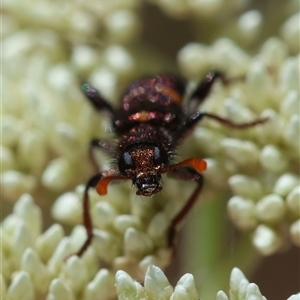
(150, 124)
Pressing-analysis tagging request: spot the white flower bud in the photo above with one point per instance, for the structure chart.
(208, 140)
(48, 241)
(238, 283)
(187, 287)
(271, 131)
(39, 275)
(15, 183)
(26, 210)
(67, 208)
(193, 58)
(242, 212)
(258, 85)
(158, 227)
(56, 260)
(17, 44)
(75, 273)
(229, 57)
(293, 201)
(85, 58)
(270, 208)
(292, 133)
(33, 141)
(61, 77)
(180, 294)
(272, 159)
(102, 286)
(285, 184)
(290, 32)
(237, 111)
(122, 26)
(10, 225)
(294, 297)
(147, 261)
(289, 75)
(246, 186)
(21, 288)
(136, 243)
(141, 208)
(273, 52)
(216, 172)
(289, 104)
(130, 265)
(22, 240)
(65, 140)
(58, 174)
(295, 232)
(243, 152)
(122, 222)
(59, 290)
(266, 240)
(221, 296)
(156, 284)
(7, 159)
(127, 288)
(250, 24)
(253, 292)
(103, 214)
(106, 245)
(119, 60)
(83, 23)
(106, 81)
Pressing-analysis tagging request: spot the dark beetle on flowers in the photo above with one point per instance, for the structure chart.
(150, 124)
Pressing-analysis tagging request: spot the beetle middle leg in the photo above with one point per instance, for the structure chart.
(104, 145)
(203, 89)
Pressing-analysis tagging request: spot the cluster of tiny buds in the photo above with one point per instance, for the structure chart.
(53, 119)
(37, 262)
(260, 165)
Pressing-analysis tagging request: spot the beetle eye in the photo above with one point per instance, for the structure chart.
(126, 163)
(160, 157)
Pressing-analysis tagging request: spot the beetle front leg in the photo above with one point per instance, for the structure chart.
(87, 220)
(100, 182)
(106, 146)
(188, 174)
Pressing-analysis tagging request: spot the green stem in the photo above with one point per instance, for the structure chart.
(212, 252)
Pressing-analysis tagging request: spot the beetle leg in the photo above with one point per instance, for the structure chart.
(99, 181)
(202, 90)
(189, 174)
(107, 146)
(87, 220)
(96, 99)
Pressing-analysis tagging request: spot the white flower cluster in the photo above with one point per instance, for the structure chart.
(34, 261)
(129, 233)
(125, 239)
(157, 286)
(261, 164)
(117, 20)
(46, 122)
(46, 127)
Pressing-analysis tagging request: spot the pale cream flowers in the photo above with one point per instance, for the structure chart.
(48, 48)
